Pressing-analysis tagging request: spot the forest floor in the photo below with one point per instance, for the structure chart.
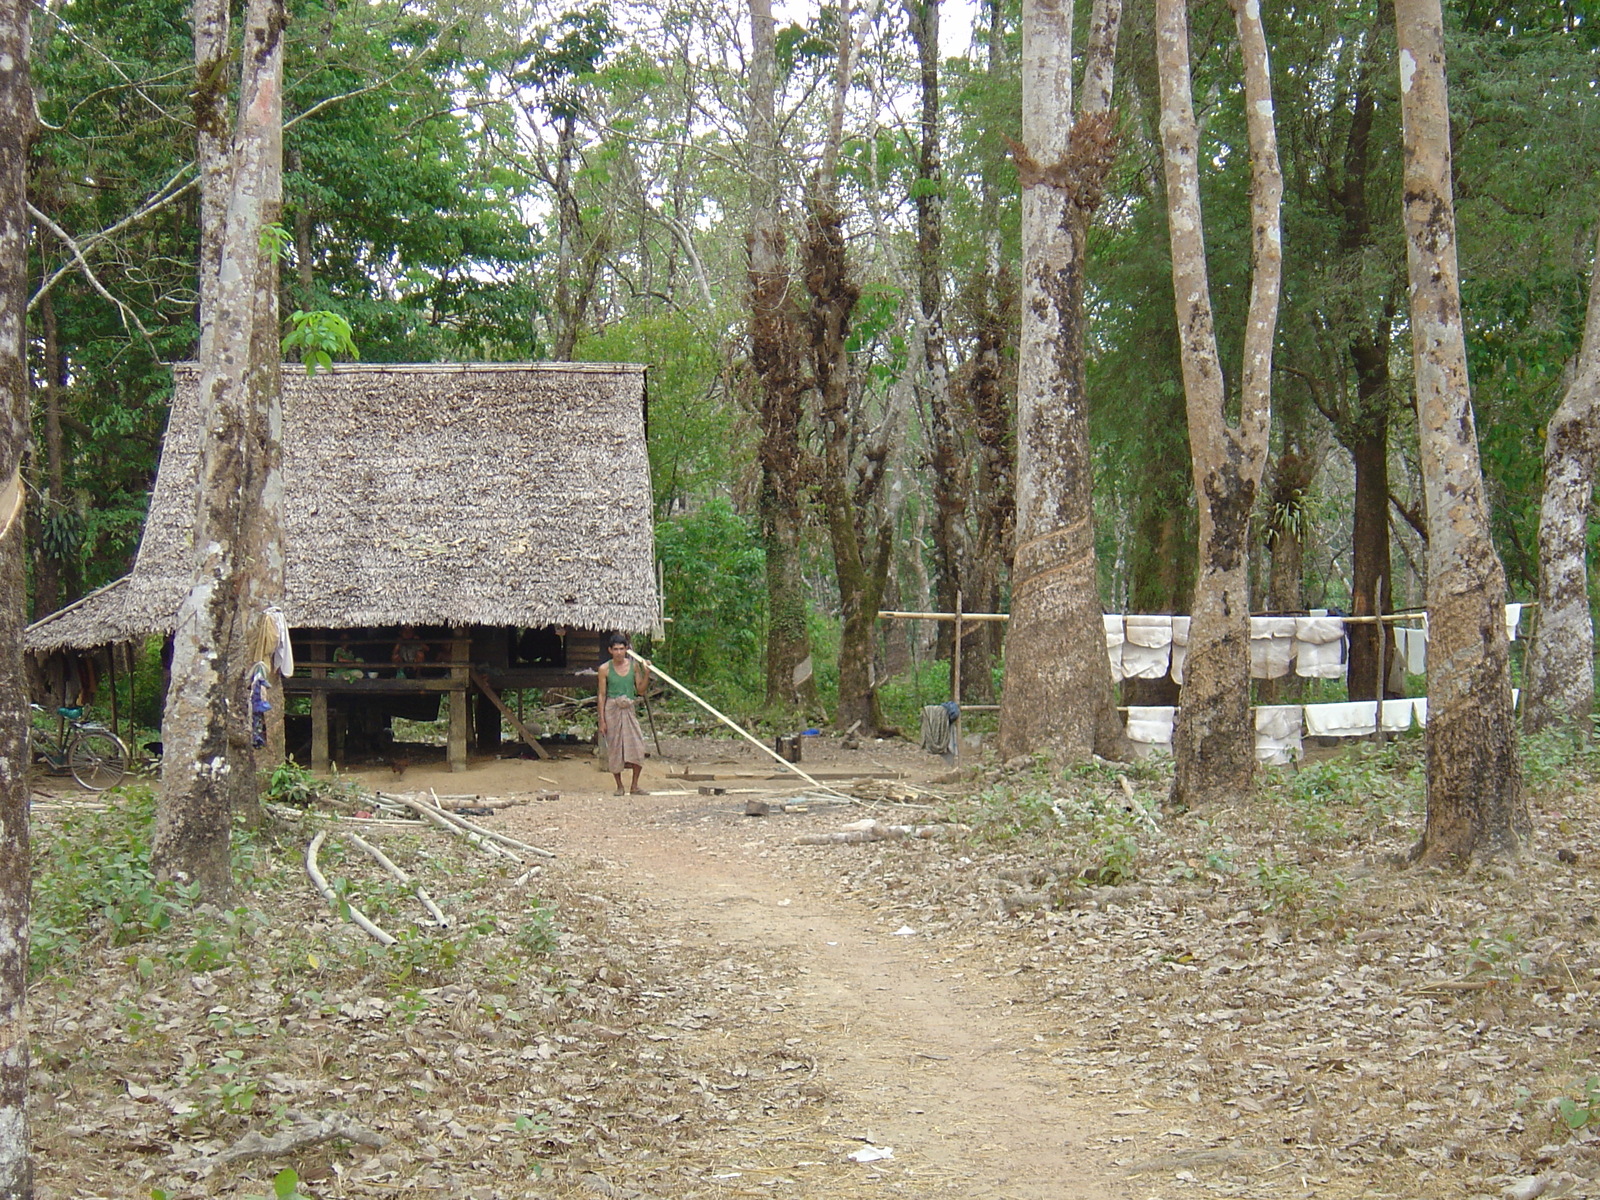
(1062, 991)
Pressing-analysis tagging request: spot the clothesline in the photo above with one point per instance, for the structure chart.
(1408, 615)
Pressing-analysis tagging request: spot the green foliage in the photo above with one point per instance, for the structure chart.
(318, 336)
(716, 596)
(285, 1186)
(1585, 1111)
(92, 879)
(537, 935)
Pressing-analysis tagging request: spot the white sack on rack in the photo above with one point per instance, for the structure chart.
(1278, 733)
(1150, 725)
(1271, 646)
(1356, 719)
(1180, 648)
(1319, 647)
(1146, 646)
(1114, 640)
(1411, 648)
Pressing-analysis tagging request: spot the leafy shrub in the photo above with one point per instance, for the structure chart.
(715, 571)
(92, 879)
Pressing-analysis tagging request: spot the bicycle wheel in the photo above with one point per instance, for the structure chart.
(98, 759)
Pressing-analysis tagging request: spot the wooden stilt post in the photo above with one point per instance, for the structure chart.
(460, 652)
(319, 711)
(955, 661)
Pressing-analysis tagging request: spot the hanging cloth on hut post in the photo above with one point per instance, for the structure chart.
(260, 706)
(269, 641)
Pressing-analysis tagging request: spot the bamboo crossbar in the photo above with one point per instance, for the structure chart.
(728, 721)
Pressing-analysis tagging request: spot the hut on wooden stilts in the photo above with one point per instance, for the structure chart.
(450, 530)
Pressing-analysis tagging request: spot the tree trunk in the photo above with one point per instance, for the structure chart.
(16, 131)
(947, 461)
(1058, 693)
(1560, 687)
(49, 569)
(1291, 479)
(1370, 569)
(775, 358)
(1475, 801)
(1214, 745)
(206, 727)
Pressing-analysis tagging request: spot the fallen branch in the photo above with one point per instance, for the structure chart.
(494, 834)
(868, 831)
(384, 861)
(444, 821)
(328, 894)
(308, 1131)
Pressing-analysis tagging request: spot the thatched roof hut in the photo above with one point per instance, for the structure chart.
(449, 495)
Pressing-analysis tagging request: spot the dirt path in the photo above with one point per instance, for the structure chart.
(916, 1042)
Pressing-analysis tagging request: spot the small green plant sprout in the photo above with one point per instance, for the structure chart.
(318, 336)
(275, 241)
(1583, 1112)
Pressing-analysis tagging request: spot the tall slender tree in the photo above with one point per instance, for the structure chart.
(1560, 690)
(775, 357)
(1475, 801)
(1213, 745)
(16, 129)
(207, 756)
(1058, 694)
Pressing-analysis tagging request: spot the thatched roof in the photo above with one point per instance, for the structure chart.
(431, 494)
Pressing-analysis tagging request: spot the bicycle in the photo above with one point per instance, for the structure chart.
(91, 753)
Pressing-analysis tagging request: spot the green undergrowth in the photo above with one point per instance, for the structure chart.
(94, 891)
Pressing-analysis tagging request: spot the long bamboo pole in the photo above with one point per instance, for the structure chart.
(727, 720)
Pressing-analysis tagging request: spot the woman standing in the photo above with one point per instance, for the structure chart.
(622, 682)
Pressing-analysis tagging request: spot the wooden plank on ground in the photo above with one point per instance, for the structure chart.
(487, 689)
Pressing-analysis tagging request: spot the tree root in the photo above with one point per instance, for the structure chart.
(306, 1131)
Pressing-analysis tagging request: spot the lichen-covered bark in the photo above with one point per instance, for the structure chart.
(1213, 744)
(207, 758)
(16, 129)
(1475, 803)
(1560, 667)
(775, 358)
(1058, 693)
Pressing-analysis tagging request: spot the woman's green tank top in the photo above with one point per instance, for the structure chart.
(618, 686)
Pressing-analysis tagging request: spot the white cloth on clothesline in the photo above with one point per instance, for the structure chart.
(1180, 647)
(283, 656)
(1351, 719)
(1271, 646)
(1411, 648)
(1513, 620)
(1146, 646)
(1151, 725)
(1278, 738)
(1319, 647)
(1114, 640)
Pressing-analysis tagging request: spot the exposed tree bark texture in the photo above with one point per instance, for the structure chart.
(49, 570)
(989, 400)
(16, 130)
(947, 461)
(1560, 666)
(775, 357)
(1058, 693)
(206, 727)
(1366, 435)
(859, 531)
(1475, 803)
(1286, 525)
(1213, 745)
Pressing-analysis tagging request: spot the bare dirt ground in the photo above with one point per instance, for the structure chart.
(1062, 992)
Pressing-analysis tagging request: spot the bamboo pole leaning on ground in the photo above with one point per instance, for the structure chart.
(328, 894)
(728, 721)
(388, 865)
